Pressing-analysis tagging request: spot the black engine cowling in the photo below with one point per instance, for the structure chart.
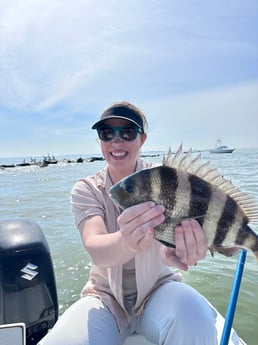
(27, 282)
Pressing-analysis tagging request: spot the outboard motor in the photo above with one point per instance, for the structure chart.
(27, 282)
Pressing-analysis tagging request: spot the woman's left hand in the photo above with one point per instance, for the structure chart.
(191, 245)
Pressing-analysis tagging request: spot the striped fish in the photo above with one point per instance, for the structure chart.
(189, 188)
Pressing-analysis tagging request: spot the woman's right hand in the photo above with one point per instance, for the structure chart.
(136, 232)
(137, 224)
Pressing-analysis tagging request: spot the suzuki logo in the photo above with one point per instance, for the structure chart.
(30, 271)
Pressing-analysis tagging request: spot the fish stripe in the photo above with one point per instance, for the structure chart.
(147, 181)
(213, 214)
(247, 238)
(243, 233)
(165, 184)
(169, 184)
(183, 198)
(226, 221)
(201, 194)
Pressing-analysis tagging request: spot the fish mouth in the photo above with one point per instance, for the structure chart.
(118, 193)
(115, 194)
(115, 191)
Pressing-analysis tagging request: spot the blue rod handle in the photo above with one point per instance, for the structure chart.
(233, 298)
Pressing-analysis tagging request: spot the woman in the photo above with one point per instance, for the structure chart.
(131, 287)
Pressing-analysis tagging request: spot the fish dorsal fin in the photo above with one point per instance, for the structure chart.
(187, 163)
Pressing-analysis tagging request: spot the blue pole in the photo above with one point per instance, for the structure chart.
(233, 298)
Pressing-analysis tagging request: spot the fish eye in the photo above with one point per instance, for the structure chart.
(129, 188)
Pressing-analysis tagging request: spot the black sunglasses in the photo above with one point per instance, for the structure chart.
(128, 133)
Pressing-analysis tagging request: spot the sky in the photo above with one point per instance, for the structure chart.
(190, 66)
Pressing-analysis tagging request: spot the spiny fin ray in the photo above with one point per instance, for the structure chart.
(195, 166)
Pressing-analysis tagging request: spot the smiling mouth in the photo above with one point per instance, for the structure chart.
(118, 154)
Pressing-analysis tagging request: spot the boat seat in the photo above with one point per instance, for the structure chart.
(136, 339)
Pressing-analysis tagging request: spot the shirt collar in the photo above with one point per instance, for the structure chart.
(104, 180)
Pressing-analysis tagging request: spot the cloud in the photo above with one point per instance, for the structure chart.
(62, 62)
(53, 49)
(49, 50)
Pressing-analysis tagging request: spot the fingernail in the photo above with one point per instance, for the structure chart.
(161, 207)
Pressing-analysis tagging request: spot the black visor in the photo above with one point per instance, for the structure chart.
(120, 112)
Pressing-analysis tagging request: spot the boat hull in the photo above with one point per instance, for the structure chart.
(221, 151)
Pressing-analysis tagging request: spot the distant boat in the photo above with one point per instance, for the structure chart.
(49, 160)
(221, 148)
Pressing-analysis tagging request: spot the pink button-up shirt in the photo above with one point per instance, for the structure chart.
(89, 197)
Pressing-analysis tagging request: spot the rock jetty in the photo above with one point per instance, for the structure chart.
(48, 160)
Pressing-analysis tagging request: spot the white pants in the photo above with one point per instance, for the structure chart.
(175, 314)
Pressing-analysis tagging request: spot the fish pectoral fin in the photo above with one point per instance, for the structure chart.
(212, 251)
(227, 251)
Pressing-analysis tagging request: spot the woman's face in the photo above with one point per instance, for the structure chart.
(121, 155)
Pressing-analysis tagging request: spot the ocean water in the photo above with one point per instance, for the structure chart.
(42, 195)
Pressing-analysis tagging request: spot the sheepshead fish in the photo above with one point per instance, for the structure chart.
(189, 188)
